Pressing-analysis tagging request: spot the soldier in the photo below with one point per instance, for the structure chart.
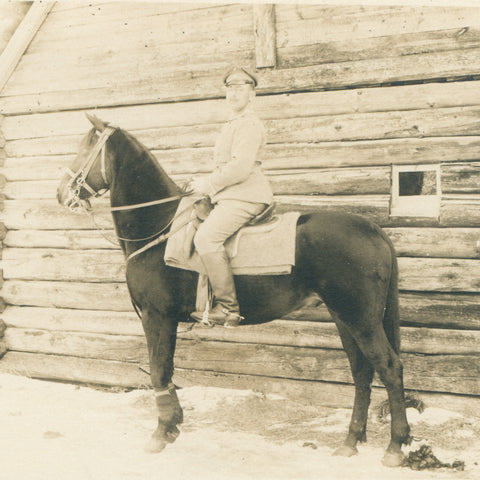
(238, 189)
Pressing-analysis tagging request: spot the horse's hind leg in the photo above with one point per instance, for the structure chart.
(362, 372)
(376, 347)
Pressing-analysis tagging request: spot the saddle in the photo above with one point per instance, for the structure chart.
(264, 246)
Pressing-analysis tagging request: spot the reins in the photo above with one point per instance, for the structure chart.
(149, 204)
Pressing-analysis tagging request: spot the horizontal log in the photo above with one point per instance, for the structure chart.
(435, 242)
(437, 65)
(450, 373)
(345, 181)
(102, 296)
(460, 210)
(441, 310)
(277, 157)
(48, 215)
(74, 369)
(394, 45)
(64, 265)
(438, 122)
(122, 348)
(278, 332)
(437, 274)
(461, 178)
(328, 103)
(36, 168)
(69, 239)
(204, 84)
(416, 274)
(75, 320)
(409, 242)
(297, 25)
(31, 189)
(3, 347)
(458, 311)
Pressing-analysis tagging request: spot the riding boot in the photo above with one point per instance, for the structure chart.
(226, 310)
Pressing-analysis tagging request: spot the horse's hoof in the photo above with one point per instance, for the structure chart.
(155, 445)
(345, 451)
(393, 459)
(172, 435)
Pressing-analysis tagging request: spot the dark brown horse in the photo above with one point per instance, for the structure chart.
(345, 259)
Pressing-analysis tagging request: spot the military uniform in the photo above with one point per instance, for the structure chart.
(237, 187)
(239, 191)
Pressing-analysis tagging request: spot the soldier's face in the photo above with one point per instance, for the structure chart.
(239, 96)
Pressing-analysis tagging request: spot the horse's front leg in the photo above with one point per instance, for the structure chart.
(161, 334)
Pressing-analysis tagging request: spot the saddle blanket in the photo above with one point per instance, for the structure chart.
(265, 249)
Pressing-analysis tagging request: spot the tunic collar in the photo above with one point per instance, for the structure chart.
(246, 112)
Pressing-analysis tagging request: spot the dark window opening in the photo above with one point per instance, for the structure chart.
(417, 183)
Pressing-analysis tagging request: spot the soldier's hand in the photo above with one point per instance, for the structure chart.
(200, 185)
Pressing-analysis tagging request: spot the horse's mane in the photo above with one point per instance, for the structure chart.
(145, 154)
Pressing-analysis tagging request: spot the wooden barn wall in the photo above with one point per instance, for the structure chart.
(354, 91)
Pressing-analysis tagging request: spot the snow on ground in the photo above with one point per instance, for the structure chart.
(66, 432)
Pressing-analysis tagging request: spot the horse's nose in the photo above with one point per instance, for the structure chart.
(60, 196)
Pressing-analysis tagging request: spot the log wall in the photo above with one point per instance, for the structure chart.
(341, 106)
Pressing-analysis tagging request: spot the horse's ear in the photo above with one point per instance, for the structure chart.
(99, 125)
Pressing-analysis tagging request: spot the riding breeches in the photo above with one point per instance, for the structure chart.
(224, 220)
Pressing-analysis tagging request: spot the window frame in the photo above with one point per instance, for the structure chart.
(415, 205)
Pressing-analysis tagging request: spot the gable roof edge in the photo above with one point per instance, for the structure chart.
(21, 39)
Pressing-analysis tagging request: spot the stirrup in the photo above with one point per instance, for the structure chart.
(231, 319)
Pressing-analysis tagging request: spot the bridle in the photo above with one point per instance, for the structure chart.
(79, 179)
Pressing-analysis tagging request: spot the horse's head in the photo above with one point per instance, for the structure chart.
(87, 176)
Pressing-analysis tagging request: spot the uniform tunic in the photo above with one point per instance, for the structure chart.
(237, 186)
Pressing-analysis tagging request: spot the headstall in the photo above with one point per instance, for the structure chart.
(79, 178)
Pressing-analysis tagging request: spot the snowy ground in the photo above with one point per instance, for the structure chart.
(59, 431)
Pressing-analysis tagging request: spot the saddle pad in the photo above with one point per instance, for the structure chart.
(267, 249)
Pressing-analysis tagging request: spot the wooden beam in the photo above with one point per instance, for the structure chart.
(22, 38)
(265, 35)
(438, 310)
(74, 369)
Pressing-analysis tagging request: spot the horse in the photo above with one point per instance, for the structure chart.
(346, 259)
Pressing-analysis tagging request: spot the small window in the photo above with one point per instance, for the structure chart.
(415, 191)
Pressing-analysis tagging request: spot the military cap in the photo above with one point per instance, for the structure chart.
(239, 76)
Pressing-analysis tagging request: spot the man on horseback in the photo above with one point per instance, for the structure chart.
(238, 190)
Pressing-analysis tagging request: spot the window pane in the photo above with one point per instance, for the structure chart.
(417, 183)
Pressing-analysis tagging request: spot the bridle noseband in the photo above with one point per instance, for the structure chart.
(79, 178)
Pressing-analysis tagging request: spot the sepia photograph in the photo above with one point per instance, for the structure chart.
(240, 240)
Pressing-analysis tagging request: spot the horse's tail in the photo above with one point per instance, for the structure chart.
(391, 318)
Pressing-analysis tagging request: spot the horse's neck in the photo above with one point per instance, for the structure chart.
(137, 179)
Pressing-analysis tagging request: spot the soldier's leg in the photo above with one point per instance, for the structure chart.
(225, 219)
